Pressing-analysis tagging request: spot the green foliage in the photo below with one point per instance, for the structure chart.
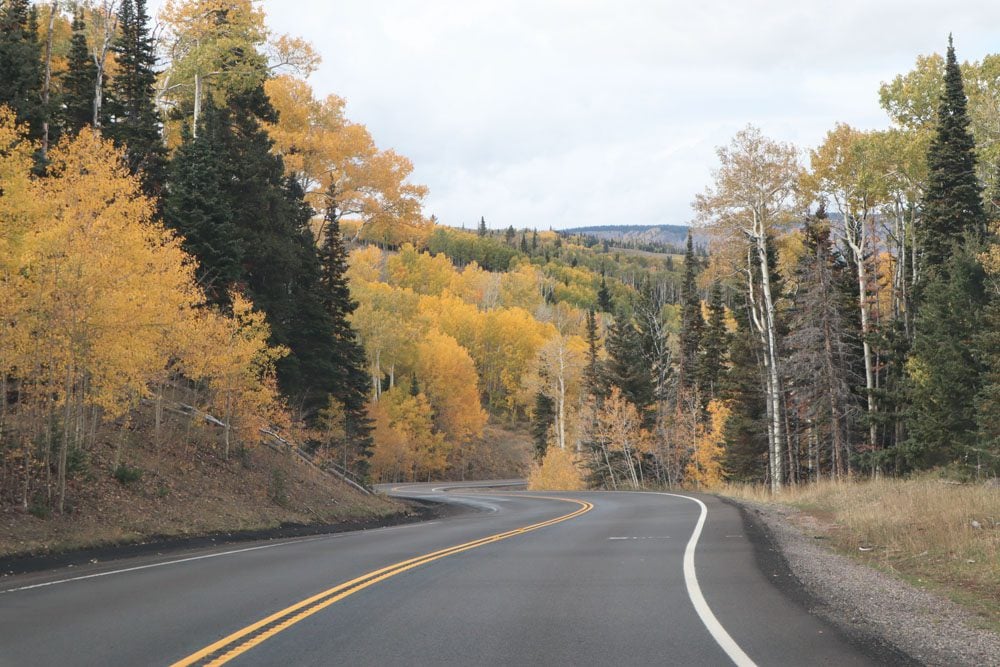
(126, 474)
(692, 322)
(78, 84)
(134, 119)
(714, 343)
(348, 356)
(277, 487)
(944, 371)
(952, 204)
(542, 420)
(20, 64)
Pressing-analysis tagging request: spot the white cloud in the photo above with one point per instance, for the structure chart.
(571, 112)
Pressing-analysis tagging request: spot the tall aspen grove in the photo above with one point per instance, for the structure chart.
(201, 254)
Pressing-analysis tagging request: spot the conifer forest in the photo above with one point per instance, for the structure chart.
(187, 227)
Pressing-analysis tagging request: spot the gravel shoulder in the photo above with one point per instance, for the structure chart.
(874, 607)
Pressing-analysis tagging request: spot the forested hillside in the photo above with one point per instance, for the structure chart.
(183, 219)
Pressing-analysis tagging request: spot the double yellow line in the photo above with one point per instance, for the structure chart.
(245, 639)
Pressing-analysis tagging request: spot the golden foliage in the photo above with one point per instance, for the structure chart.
(704, 468)
(558, 471)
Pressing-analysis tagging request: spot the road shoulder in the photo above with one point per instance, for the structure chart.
(868, 605)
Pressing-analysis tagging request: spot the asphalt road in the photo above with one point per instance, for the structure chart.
(581, 578)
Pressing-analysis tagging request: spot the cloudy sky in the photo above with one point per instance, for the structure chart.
(564, 113)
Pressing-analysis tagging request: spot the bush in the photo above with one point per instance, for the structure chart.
(558, 472)
(127, 474)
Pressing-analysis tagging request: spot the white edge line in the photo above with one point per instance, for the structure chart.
(722, 638)
(152, 565)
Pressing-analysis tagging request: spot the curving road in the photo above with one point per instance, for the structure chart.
(582, 578)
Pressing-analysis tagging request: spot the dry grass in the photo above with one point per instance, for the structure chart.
(924, 529)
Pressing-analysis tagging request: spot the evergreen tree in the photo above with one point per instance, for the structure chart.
(414, 386)
(593, 376)
(603, 295)
(952, 204)
(135, 120)
(818, 365)
(20, 64)
(714, 346)
(277, 258)
(534, 239)
(524, 242)
(742, 386)
(692, 322)
(199, 207)
(944, 371)
(348, 364)
(78, 84)
(509, 235)
(627, 367)
(542, 420)
(482, 227)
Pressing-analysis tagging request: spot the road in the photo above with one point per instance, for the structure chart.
(582, 578)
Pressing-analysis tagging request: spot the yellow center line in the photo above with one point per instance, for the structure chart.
(245, 639)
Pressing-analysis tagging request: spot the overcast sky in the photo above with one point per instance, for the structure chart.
(565, 113)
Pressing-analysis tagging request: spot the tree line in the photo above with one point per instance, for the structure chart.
(861, 296)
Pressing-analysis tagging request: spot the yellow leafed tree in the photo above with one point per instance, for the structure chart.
(704, 468)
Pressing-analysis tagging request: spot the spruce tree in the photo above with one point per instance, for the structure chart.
(692, 322)
(714, 345)
(952, 205)
(78, 84)
(742, 386)
(603, 295)
(593, 377)
(135, 120)
(278, 265)
(198, 205)
(542, 420)
(944, 371)
(946, 374)
(481, 231)
(509, 235)
(348, 363)
(627, 367)
(20, 64)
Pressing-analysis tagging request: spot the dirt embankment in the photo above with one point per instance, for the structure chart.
(183, 490)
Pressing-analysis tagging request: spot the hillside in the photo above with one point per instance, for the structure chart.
(639, 235)
(183, 487)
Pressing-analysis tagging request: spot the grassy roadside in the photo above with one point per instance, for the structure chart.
(936, 534)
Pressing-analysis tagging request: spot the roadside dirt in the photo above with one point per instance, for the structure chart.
(905, 623)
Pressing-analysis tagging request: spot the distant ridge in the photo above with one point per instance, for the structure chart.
(671, 235)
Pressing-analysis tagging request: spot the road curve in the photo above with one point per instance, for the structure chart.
(582, 578)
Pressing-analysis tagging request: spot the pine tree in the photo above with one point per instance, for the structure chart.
(952, 205)
(692, 322)
(509, 235)
(20, 64)
(627, 367)
(542, 420)
(950, 298)
(135, 120)
(348, 364)
(78, 84)
(714, 346)
(534, 240)
(593, 376)
(277, 258)
(818, 365)
(524, 242)
(481, 231)
(198, 206)
(945, 373)
(742, 387)
(603, 295)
